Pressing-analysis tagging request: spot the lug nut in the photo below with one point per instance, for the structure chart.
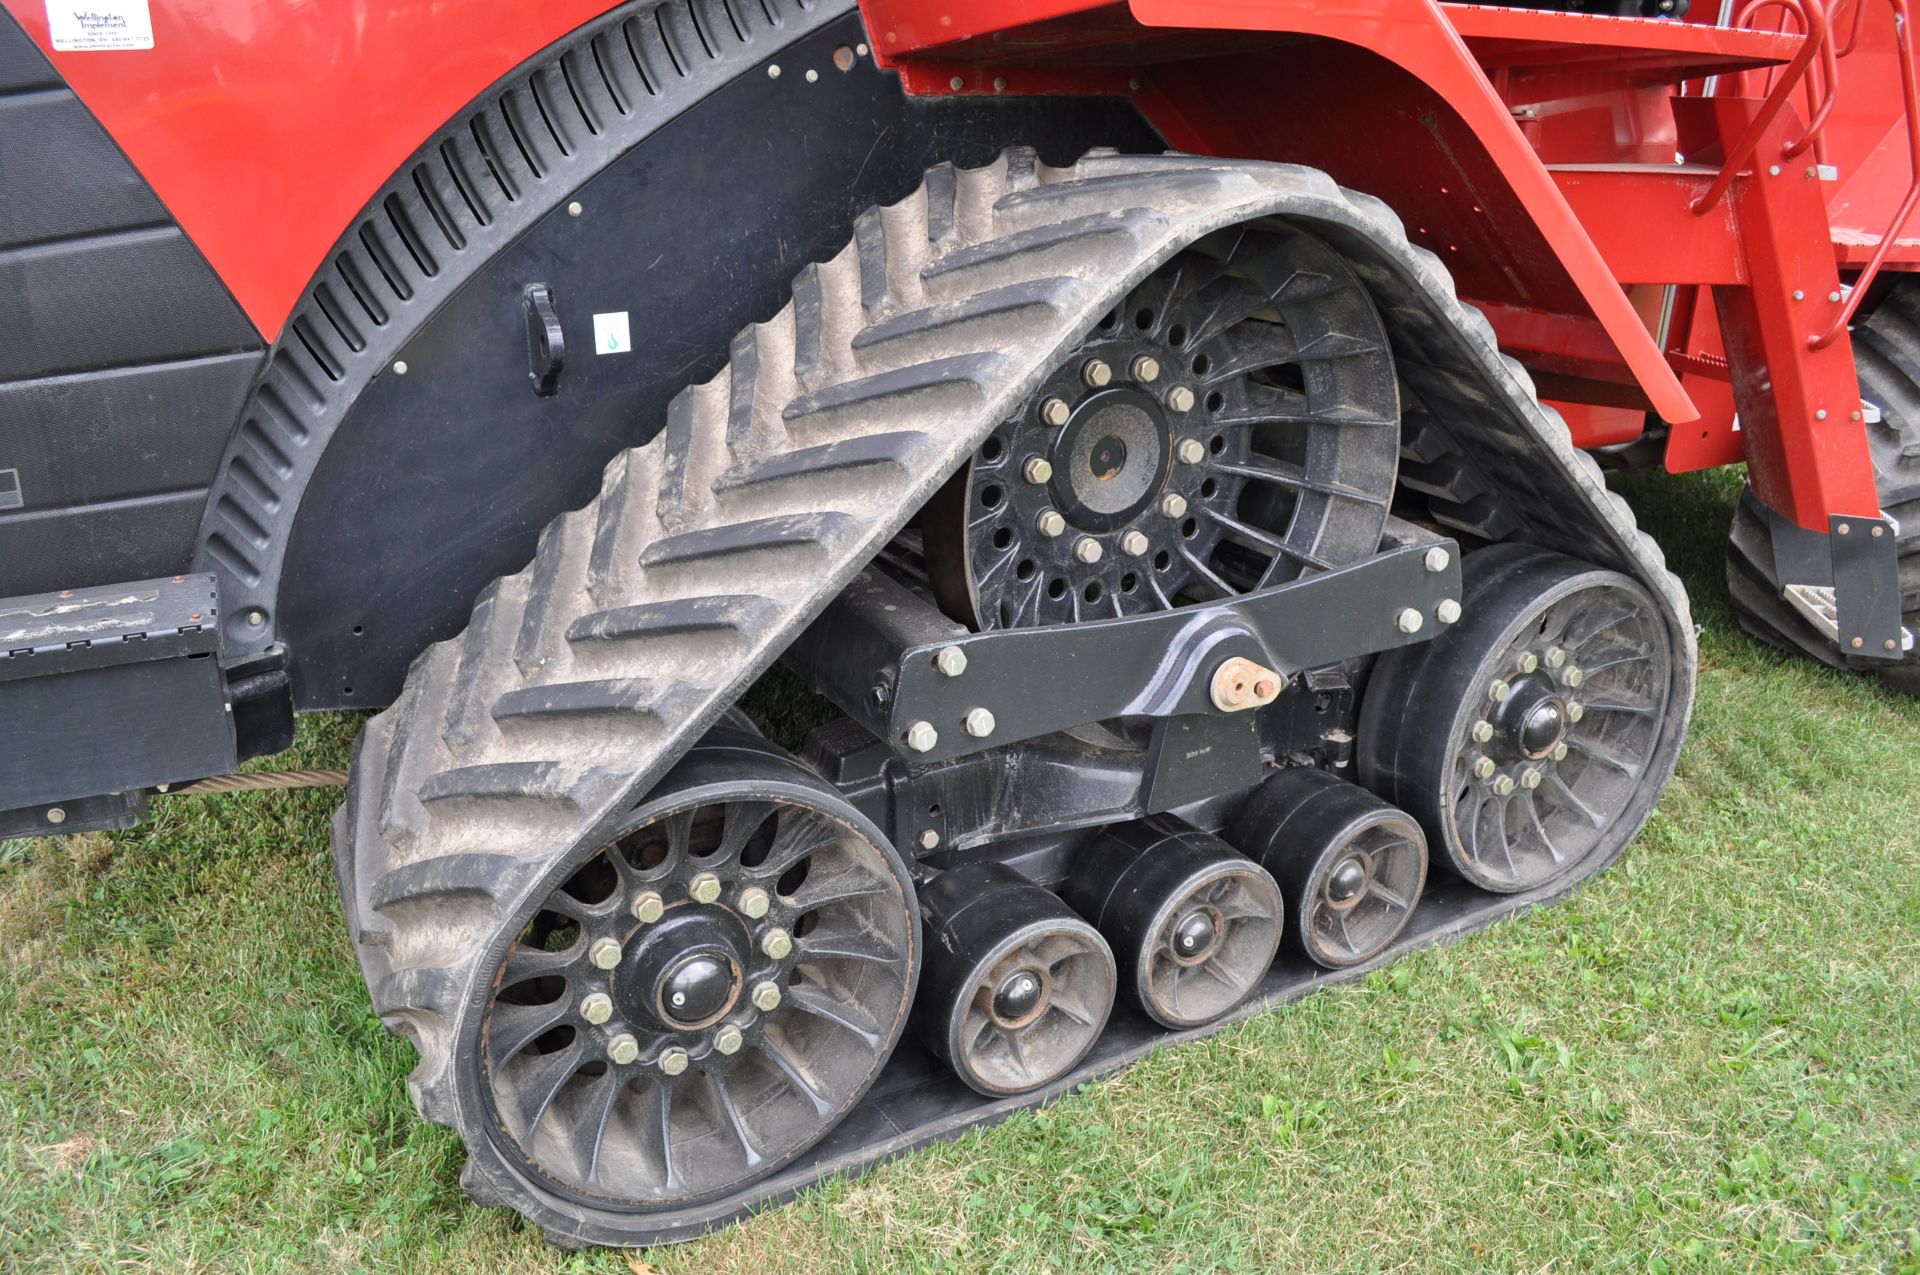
(648, 906)
(1050, 523)
(1555, 657)
(1191, 451)
(777, 944)
(1572, 676)
(1437, 559)
(728, 1039)
(766, 997)
(1409, 620)
(754, 902)
(1180, 399)
(1173, 505)
(605, 953)
(1448, 611)
(1086, 549)
(704, 888)
(1483, 768)
(1503, 786)
(1498, 691)
(1037, 470)
(921, 737)
(1482, 732)
(1530, 778)
(623, 1048)
(596, 1008)
(673, 1061)
(1134, 543)
(1527, 662)
(1055, 412)
(979, 722)
(1096, 373)
(1146, 368)
(1560, 751)
(951, 660)
(1576, 711)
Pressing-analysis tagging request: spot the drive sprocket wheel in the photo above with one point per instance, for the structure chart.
(1532, 735)
(1230, 425)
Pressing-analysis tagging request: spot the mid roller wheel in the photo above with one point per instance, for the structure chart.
(1534, 734)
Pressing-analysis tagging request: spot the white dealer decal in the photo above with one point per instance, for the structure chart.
(610, 333)
(86, 26)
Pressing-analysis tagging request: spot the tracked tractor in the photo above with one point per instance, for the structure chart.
(1170, 434)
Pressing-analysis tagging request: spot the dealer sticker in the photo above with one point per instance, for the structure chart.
(610, 334)
(89, 26)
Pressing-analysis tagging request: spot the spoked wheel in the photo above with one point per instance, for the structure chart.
(1018, 988)
(1231, 424)
(1351, 866)
(1533, 734)
(696, 1002)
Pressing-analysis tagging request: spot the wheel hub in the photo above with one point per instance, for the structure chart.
(1195, 936)
(1021, 998)
(685, 972)
(1347, 881)
(1533, 719)
(1111, 461)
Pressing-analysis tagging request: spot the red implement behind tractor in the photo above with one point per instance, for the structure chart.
(1170, 433)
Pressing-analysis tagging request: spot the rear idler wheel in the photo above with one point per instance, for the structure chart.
(1193, 924)
(1530, 736)
(695, 1002)
(1351, 866)
(1017, 988)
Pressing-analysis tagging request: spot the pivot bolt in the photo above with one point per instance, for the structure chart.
(1055, 412)
(1448, 611)
(778, 944)
(728, 1039)
(1498, 691)
(1436, 559)
(605, 953)
(1191, 451)
(1572, 675)
(596, 1008)
(1173, 505)
(1482, 732)
(1146, 368)
(1096, 373)
(1576, 711)
(1503, 786)
(673, 1061)
(1555, 657)
(648, 906)
(1086, 549)
(1239, 683)
(978, 722)
(1409, 620)
(1050, 523)
(704, 888)
(1134, 543)
(1180, 399)
(950, 660)
(1527, 662)
(754, 902)
(1483, 768)
(1530, 778)
(1560, 749)
(623, 1048)
(766, 997)
(921, 737)
(1037, 470)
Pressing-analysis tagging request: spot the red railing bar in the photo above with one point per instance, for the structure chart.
(1816, 20)
(1820, 100)
(1853, 36)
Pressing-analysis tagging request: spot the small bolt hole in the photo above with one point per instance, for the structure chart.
(1216, 401)
(1093, 591)
(358, 630)
(990, 496)
(1209, 487)
(1217, 444)
(1002, 537)
(1201, 365)
(1190, 528)
(1024, 570)
(1177, 334)
(1129, 582)
(1162, 560)
(1056, 588)
(1143, 320)
(992, 450)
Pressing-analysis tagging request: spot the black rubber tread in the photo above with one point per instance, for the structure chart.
(670, 529)
(1886, 352)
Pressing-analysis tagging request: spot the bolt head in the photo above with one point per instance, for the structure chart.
(1483, 768)
(673, 1061)
(1436, 559)
(1503, 786)
(256, 618)
(1833, 296)
(1482, 732)
(1050, 523)
(728, 1039)
(1798, 295)
(596, 1008)
(1180, 399)
(1037, 470)
(930, 840)
(623, 1049)
(1096, 372)
(1146, 368)
(1191, 451)
(754, 902)
(1173, 505)
(950, 660)
(1527, 662)
(1560, 749)
(704, 888)
(1498, 691)
(921, 737)
(399, 367)
(605, 954)
(648, 906)
(1572, 675)
(1555, 657)
(1134, 543)
(1448, 611)
(979, 722)
(56, 815)
(1055, 412)
(1086, 549)
(766, 997)
(1530, 779)
(777, 944)
(574, 209)
(1409, 620)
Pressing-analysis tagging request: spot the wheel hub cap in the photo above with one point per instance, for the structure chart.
(1020, 998)
(1534, 718)
(685, 972)
(1110, 462)
(1346, 881)
(1195, 936)
(697, 988)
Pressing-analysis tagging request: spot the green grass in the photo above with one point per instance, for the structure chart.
(1704, 1061)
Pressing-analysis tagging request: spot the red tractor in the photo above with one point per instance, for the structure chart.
(1169, 433)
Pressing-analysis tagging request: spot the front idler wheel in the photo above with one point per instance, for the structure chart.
(1351, 866)
(1194, 924)
(1018, 988)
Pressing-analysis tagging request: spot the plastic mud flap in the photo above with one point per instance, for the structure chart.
(582, 679)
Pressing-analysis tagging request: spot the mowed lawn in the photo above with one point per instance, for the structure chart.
(1707, 1060)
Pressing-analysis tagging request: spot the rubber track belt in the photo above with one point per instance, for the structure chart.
(646, 614)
